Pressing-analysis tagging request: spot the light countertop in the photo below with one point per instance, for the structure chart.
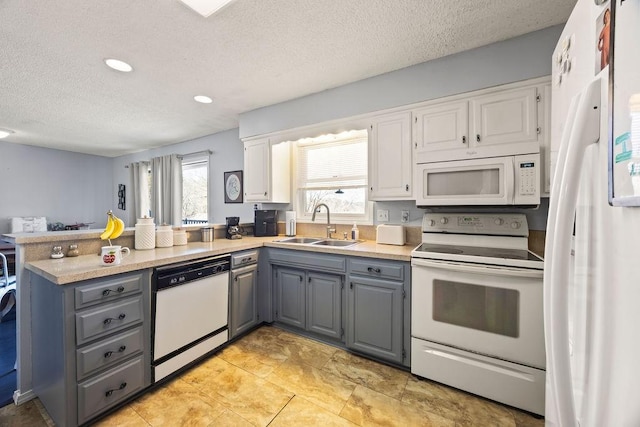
(73, 269)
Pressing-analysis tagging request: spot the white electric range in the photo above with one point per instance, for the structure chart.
(477, 317)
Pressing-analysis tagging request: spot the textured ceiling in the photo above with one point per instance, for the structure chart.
(55, 90)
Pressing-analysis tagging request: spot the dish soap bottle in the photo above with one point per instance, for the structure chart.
(355, 233)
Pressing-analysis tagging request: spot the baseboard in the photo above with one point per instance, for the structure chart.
(19, 398)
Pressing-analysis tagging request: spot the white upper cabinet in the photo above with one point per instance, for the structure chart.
(492, 122)
(442, 126)
(390, 160)
(505, 117)
(267, 171)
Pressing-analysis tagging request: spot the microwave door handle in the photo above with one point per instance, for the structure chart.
(585, 130)
(469, 268)
(510, 177)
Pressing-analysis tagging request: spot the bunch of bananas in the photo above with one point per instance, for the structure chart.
(114, 228)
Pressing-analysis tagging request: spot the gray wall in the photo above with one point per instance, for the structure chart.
(520, 58)
(228, 155)
(60, 185)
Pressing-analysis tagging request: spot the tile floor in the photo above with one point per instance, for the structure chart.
(276, 378)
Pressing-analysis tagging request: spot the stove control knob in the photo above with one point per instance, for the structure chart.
(443, 220)
(515, 225)
(499, 221)
(431, 223)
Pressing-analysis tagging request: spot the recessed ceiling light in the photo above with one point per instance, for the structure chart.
(203, 99)
(118, 65)
(206, 7)
(5, 133)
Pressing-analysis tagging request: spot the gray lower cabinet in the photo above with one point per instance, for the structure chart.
(290, 297)
(308, 289)
(378, 309)
(370, 311)
(244, 300)
(309, 300)
(324, 304)
(91, 344)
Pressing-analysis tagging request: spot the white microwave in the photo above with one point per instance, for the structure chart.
(494, 181)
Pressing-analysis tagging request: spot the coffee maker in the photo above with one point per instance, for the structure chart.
(233, 229)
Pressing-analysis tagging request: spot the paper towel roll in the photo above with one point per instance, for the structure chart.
(290, 223)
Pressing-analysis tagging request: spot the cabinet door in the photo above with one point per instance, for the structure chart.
(290, 297)
(441, 127)
(390, 163)
(504, 117)
(324, 308)
(244, 300)
(375, 317)
(257, 165)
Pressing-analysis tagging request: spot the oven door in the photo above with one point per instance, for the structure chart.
(495, 311)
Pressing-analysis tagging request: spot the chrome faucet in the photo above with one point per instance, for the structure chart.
(316, 208)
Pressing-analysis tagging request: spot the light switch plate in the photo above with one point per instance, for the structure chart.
(383, 214)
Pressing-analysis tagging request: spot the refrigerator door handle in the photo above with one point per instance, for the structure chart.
(584, 124)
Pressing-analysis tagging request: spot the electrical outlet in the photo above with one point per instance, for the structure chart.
(405, 216)
(383, 214)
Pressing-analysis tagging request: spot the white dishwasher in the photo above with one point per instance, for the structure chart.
(190, 312)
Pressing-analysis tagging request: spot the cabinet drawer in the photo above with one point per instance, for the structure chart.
(376, 268)
(107, 318)
(108, 290)
(104, 391)
(107, 352)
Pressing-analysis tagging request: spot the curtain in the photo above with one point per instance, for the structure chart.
(140, 183)
(166, 190)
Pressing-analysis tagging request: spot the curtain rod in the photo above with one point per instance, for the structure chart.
(181, 156)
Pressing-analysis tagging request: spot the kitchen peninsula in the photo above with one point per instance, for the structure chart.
(35, 268)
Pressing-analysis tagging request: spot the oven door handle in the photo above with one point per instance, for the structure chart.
(478, 269)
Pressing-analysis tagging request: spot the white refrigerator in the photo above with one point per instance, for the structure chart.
(592, 253)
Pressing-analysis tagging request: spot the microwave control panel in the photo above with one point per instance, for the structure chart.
(527, 174)
(527, 171)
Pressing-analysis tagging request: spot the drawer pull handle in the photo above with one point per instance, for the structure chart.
(120, 350)
(373, 270)
(110, 392)
(108, 320)
(106, 292)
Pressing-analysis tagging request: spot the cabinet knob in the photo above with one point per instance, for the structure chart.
(478, 138)
(265, 193)
(406, 187)
(464, 139)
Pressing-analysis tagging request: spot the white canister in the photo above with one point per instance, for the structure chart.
(164, 236)
(179, 237)
(145, 235)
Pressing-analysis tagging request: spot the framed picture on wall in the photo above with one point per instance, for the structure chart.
(233, 187)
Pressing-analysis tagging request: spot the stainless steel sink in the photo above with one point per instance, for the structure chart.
(301, 240)
(318, 241)
(339, 243)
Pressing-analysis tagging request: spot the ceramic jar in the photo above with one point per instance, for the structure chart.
(145, 234)
(164, 236)
(179, 237)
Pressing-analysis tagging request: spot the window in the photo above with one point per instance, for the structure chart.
(332, 169)
(195, 189)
